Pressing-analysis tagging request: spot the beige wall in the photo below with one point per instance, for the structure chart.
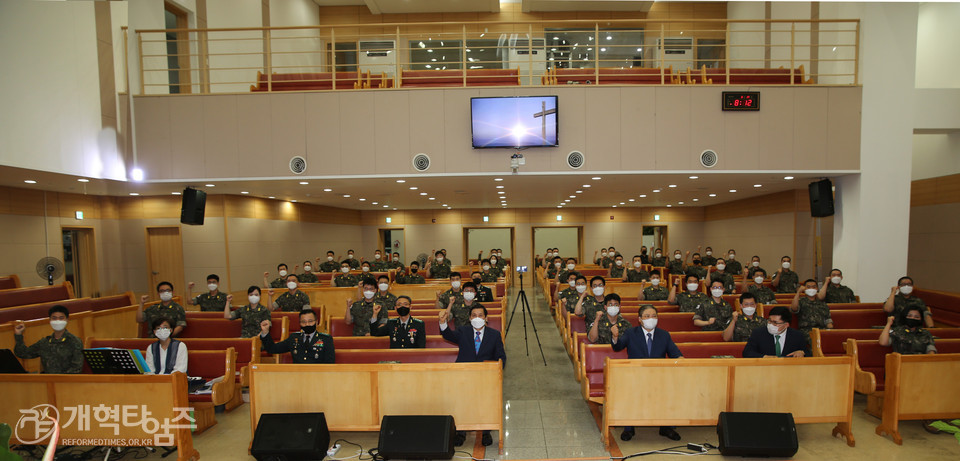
(934, 232)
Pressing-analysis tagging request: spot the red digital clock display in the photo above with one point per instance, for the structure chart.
(741, 100)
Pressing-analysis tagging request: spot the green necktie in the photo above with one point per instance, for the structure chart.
(777, 342)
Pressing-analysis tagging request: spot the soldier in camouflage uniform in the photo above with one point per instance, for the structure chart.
(292, 300)
(763, 294)
(252, 314)
(278, 282)
(656, 291)
(215, 300)
(379, 264)
(305, 346)
(443, 298)
(498, 262)
(715, 314)
(307, 276)
(833, 292)
(59, 353)
(617, 269)
(590, 302)
(754, 267)
(567, 291)
(785, 280)
(599, 329)
(165, 308)
(901, 297)
(689, 300)
(910, 337)
(352, 261)
(360, 314)
(345, 278)
(383, 297)
(554, 267)
(635, 273)
(697, 267)
(813, 312)
(567, 269)
(395, 263)
(459, 308)
(721, 275)
(604, 260)
(405, 332)
(487, 272)
(658, 259)
(414, 276)
(742, 324)
(436, 269)
(330, 265)
(675, 266)
(708, 258)
(733, 266)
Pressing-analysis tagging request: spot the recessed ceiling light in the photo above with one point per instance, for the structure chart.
(788, 177)
(595, 178)
(643, 195)
(498, 179)
(444, 204)
(696, 200)
(29, 181)
(614, 206)
(758, 185)
(328, 190)
(136, 174)
(413, 187)
(175, 193)
(432, 198)
(211, 185)
(293, 201)
(401, 181)
(579, 191)
(733, 190)
(573, 196)
(244, 192)
(694, 177)
(656, 190)
(669, 206)
(567, 201)
(586, 185)
(385, 206)
(632, 200)
(681, 203)
(374, 203)
(501, 192)
(271, 197)
(622, 203)
(346, 195)
(304, 183)
(134, 194)
(363, 200)
(713, 195)
(559, 206)
(672, 185)
(449, 207)
(83, 180)
(499, 187)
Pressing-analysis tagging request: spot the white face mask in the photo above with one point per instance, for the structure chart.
(477, 323)
(369, 294)
(166, 296)
(581, 288)
(649, 324)
(307, 268)
(440, 259)
(693, 286)
(212, 286)
(162, 333)
(721, 267)
(557, 265)
(597, 291)
(655, 282)
(659, 255)
(58, 325)
(254, 300)
(350, 256)
(329, 258)
(572, 283)
(344, 269)
(469, 295)
(455, 284)
(716, 292)
(383, 286)
(836, 280)
(493, 261)
(291, 285)
(676, 256)
(755, 263)
(604, 254)
(810, 291)
(906, 289)
(486, 267)
(748, 311)
(570, 267)
(612, 311)
(376, 256)
(709, 253)
(773, 329)
(759, 280)
(786, 265)
(733, 256)
(365, 269)
(636, 264)
(283, 273)
(396, 260)
(619, 262)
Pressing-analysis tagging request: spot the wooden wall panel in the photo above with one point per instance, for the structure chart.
(935, 191)
(779, 202)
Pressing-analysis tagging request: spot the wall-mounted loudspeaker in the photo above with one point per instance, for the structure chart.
(575, 160)
(298, 164)
(192, 206)
(421, 162)
(709, 158)
(821, 198)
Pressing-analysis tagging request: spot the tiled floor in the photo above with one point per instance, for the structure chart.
(545, 417)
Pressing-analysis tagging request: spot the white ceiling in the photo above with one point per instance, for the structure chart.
(521, 190)
(585, 5)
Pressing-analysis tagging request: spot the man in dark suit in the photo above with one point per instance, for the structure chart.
(777, 339)
(647, 342)
(405, 331)
(305, 346)
(484, 294)
(478, 343)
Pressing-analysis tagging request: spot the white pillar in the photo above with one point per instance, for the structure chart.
(872, 225)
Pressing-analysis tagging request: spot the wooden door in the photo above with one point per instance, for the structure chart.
(165, 259)
(86, 277)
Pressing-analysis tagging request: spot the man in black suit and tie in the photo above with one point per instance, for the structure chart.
(646, 342)
(478, 343)
(484, 294)
(777, 339)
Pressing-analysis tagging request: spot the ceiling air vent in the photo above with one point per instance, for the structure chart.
(421, 162)
(298, 164)
(575, 160)
(708, 158)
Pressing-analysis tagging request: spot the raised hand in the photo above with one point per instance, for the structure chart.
(229, 300)
(265, 327)
(270, 292)
(894, 290)
(19, 327)
(144, 298)
(890, 321)
(615, 331)
(597, 317)
(444, 316)
(191, 285)
(735, 315)
(266, 274)
(349, 302)
(376, 309)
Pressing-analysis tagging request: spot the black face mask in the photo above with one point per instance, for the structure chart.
(477, 281)
(413, 270)
(308, 329)
(912, 323)
(403, 311)
(643, 252)
(696, 261)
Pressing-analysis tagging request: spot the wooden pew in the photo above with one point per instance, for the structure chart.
(75, 305)
(8, 282)
(944, 305)
(338, 327)
(828, 343)
(446, 354)
(919, 387)
(383, 342)
(161, 396)
(695, 391)
(34, 295)
(426, 390)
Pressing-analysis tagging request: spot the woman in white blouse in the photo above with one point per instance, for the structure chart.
(167, 355)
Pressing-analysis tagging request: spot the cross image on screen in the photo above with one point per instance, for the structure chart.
(528, 121)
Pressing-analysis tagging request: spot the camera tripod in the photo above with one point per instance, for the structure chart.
(526, 311)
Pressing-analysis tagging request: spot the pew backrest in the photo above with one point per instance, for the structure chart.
(35, 295)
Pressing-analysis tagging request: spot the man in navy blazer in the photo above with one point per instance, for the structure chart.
(646, 342)
(477, 343)
(764, 342)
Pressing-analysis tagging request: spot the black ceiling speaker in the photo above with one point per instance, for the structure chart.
(192, 206)
(821, 198)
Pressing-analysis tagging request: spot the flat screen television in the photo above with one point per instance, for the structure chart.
(514, 122)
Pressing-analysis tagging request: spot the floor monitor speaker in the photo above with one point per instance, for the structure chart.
(757, 434)
(291, 437)
(417, 437)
